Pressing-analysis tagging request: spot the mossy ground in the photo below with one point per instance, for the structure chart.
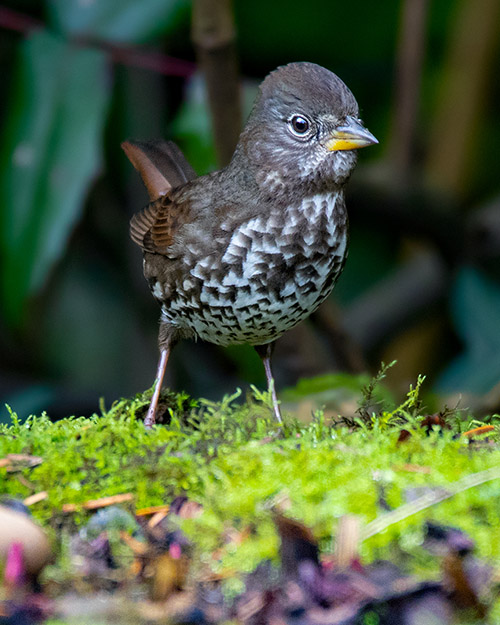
(239, 464)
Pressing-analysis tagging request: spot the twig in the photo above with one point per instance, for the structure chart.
(483, 429)
(152, 510)
(126, 55)
(429, 499)
(18, 462)
(94, 504)
(14, 20)
(36, 498)
(347, 540)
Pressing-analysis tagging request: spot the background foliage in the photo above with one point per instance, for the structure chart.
(422, 283)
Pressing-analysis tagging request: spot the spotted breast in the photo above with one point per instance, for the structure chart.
(276, 270)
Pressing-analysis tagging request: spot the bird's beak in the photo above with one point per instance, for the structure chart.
(350, 136)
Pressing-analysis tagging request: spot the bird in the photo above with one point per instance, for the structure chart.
(245, 253)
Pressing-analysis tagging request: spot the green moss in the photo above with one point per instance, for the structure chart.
(237, 462)
(322, 480)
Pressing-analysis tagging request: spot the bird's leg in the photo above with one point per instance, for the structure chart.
(265, 352)
(150, 419)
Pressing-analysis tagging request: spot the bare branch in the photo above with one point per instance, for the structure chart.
(408, 75)
(214, 37)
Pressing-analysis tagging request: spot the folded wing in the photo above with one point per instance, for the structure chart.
(162, 167)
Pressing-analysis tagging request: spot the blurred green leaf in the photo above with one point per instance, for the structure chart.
(475, 306)
(326, 383)
(50, 153)
(125, 21)
(27, 401)
(247, 363)
(192, 127)
(335, 391)
(89, 334)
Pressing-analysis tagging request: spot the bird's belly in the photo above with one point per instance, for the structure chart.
(254, 304)
(250, 312)
(254, 313)
(270, 276)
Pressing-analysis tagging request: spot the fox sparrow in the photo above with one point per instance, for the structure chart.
(243, 254)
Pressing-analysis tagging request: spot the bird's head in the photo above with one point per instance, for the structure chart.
(304, 128)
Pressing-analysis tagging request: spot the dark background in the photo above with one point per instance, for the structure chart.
(422, 283)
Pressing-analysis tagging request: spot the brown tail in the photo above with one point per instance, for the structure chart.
(161, 165)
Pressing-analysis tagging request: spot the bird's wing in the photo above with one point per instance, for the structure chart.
(162, 167)
(154, 228)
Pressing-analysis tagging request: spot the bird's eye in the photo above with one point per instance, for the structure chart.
(299, 125)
